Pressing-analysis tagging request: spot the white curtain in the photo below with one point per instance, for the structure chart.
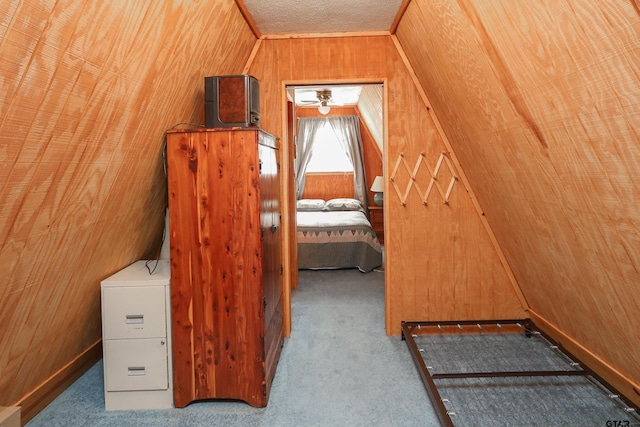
(347, 130)
(307, 131)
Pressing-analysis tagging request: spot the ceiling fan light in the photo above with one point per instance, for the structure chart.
(324, 108)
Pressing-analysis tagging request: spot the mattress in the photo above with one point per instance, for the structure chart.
(337, 239)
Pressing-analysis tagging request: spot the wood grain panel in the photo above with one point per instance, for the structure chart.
(34, 402)
(328, 186)
(541, 107)
(88, 90)
(372, 157)
(440, 262)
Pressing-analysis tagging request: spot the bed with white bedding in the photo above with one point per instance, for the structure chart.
(336, 234)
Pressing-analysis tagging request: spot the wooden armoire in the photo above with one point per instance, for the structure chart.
(226, 263)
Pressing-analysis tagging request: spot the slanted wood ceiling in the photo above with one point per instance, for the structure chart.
(541, 103)
(88, 90)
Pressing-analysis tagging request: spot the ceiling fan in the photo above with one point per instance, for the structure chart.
(323, 100)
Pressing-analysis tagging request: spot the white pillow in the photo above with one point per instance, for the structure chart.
(344, 204)
(310, 204)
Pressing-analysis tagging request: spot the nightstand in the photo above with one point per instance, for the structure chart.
(376, 215)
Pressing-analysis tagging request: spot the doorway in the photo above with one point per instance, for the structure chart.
(364, 99)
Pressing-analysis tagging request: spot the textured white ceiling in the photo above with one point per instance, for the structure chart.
(322, 16)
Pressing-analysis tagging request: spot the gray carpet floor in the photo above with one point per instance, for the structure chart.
(338, 368)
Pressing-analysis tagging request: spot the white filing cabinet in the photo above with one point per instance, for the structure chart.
(136, 337)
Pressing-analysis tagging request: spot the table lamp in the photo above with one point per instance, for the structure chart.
(378, 188)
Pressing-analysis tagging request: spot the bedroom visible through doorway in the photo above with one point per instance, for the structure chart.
(332, 111)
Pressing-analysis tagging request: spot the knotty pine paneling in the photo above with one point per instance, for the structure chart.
(440, 263)
(88, 89)
(542, 107)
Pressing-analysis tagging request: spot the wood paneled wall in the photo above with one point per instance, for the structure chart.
(542, 106)
(440, 263)
(372, 156)
(328, 186)
(88, 89)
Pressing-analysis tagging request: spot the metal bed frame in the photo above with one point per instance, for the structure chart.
(525, 326)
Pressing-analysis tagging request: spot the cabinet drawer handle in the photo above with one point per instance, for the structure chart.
(135, 318)
(135, 371)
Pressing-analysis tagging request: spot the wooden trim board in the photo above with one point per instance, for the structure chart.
(399, 15)
(51, 388)
(463, 177)
(326, 35)
(247, 17)
(252, 55)
(607, 372)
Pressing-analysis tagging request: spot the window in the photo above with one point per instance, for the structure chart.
(327, 154)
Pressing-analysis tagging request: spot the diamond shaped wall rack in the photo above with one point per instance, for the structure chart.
(433, 181)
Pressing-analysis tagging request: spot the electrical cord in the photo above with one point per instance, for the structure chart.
(164, 166)
(148, 263)
(157, 260)
(197, 125)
